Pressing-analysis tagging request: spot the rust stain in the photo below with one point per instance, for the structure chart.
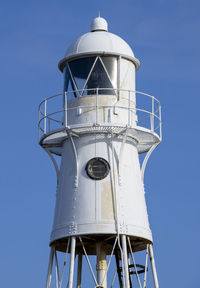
(107, 207)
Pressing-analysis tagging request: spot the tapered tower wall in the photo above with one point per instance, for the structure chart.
(115, 204)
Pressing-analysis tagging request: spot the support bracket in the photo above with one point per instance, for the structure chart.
(54, 163)
(144, 163)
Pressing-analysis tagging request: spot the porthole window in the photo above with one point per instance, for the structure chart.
(97, 168)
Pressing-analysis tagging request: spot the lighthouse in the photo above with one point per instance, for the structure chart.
(98, 126)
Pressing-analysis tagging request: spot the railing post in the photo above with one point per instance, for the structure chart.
(118, 94)
(152, 114)
(45, 116)
(129, 108)
(49, 125)
(97, 112)
(118, 76)
(160, 121)
(65, 109)
(39, 125)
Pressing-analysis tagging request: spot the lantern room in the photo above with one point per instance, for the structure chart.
(99, 59)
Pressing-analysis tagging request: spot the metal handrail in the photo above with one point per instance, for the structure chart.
(152, 114)
(70, 92)
(62, 111)
(92, 107)
(99, 89)
(111, 89)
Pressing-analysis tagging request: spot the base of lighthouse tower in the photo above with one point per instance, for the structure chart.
(127, 272)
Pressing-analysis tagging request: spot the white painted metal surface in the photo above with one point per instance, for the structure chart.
(100, 115)
(125, 261)
(99, 24)
(99, 41)
(101, 266)
(89, 207)
(71, 271)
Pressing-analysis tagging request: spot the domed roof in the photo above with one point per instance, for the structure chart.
(99, 41)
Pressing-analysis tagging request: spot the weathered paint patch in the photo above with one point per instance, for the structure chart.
(107, 207)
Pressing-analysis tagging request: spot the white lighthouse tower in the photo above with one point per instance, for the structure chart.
(98, 126)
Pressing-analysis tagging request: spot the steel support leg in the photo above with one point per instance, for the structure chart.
(129, 269)
(119, 272)
(48, 283)
(125, 262)
(71, 271)
(79, 271)
(153, 267)
(101, 266)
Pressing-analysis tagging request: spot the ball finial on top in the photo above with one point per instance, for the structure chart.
(99, 24)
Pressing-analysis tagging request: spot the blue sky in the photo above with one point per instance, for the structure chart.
(164, 36)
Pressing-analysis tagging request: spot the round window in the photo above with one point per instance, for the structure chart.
(97, 168)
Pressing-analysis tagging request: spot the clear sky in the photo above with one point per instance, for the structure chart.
(164, 35)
